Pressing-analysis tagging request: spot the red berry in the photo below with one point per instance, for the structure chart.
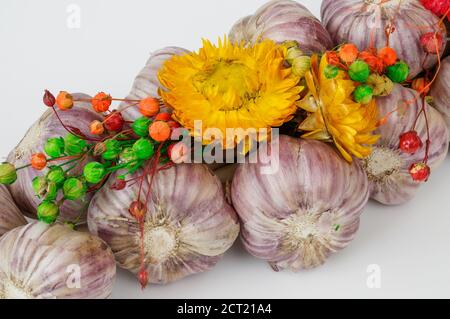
(420, 172)
(174, 124)
(119, 184)
(114, 122)
(163, 117)
(410, 142)
(432, 42)
(138, 210)
(143, 278)
(49, 99)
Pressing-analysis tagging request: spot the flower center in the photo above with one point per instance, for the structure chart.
(382, 163)
(227, 80)
(159, 242)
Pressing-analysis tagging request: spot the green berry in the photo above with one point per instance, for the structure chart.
(143, 149)
(48, 212)
(54, 147)
(51, 191)
(363, 94)
(56, 175)
(140, 126)
(8, 174)
(39, 185)
(128, 156)
(398, 72)
(94, 172)
(74, 189)
(112, 150)
(359, 71)
(74, 145)
(331, 71)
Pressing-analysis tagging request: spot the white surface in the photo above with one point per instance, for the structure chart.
(38, 51)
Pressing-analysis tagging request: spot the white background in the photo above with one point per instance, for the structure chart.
(38, 51)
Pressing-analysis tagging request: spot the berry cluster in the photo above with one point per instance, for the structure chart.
(374, 71)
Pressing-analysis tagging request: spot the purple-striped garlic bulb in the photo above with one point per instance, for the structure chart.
(363, 21)
(283, 20)
(54, 262)
(440, 91)
(305, 210)
(388, 167)
(188, 225)
(146, 82)
(33, 142)
(10, 215)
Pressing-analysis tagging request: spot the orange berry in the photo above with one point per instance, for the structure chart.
(97, 128)
(160, 131)
(38, 161)
(348, 53)
(163, 117)
(374, 62)
(388, 55)
(421, 85)
(64, 101)
(101, 102)
(149, 107)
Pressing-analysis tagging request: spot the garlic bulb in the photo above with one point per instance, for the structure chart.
(54, 262)
(10, 216)
(357, 21)
(146, 83)
(188, 225)
(307, 209)
(440, 91)
(47, 127)
(283, 20)
(388, 167)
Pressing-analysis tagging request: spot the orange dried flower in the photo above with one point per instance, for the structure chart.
(388, 55)
(38, 161)
(149, 107)
(160, 131)
(374, 62)
(101, 102)
(348, 53)
(64, 101)
(97, 128)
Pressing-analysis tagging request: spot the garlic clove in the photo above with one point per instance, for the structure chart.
(280, 21)
(305, 211)
(387, 167)
(188, 225)
(54, 262)
(10, 215)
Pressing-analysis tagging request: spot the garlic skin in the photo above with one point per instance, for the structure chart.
(283, 20)
(146, 83)
(10, 215)
(355, 21)
(188, 225)
(54, 262)
(33, 142)
(440, 91)
(388, 167)
(307, 210)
